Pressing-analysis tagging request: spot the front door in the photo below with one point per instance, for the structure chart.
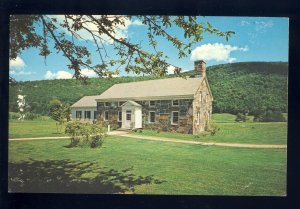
(128, 122)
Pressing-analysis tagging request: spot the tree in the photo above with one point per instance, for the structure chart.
(59, 112)
(63, 32)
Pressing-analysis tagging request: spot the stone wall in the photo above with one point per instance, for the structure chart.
(163, 110)
(203, 106)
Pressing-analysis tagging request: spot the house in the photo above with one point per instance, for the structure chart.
(173, 104)
(85, 109)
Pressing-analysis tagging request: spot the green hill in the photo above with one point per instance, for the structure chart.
(236, 87)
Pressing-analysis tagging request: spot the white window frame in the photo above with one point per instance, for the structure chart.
(107, 105)
(119, 116)
(85, 114)
(105, 115)
(172, 123)
(173, 102)
(128, 112)
(150, 103)
(149, 117)
(78, 111)
(198, 118)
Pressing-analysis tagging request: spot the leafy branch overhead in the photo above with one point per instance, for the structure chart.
(64, 34)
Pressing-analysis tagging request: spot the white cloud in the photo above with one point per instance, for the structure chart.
(17, 63)
(59, 75)
(217, 51)
(88, 73)
(17, 67)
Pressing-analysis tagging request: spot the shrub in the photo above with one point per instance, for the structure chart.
(31, 116)
(213, 129)
(269, 116)
(85, 134)
(241, 117)
(14, 115)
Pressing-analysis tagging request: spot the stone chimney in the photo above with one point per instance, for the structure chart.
(200, 68)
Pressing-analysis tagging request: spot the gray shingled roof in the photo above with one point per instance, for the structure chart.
(87, 101)
(153, 88)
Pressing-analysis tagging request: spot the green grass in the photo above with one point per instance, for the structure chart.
(126, 165)
(248, 133)
(230, 131)
(33, 128)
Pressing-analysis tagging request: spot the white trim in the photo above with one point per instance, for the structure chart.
(104, 118)
(149, 117)
(86, 114)
(172, 118)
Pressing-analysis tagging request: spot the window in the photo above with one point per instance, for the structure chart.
(95, 114)
(175, 102)
(151, 103)
(105, 115)
(106, 104)
(87, 114)
(151, 117)
(174, 118)
(120, 103)
(78, 114)
(128, 114)
(120, 116)
(198, 118)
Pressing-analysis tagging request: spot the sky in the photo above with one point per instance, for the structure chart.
(255, 39)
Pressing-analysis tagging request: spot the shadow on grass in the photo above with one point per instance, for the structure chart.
(66, 176)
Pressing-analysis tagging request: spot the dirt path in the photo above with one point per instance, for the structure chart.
(154, 138)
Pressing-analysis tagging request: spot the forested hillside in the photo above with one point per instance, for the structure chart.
(237, 87)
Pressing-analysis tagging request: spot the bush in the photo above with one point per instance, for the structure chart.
(85, 134)
(269, 116)
(241, 117)
(31, 116)
(213, 129)
(14, 115)
(28, 116)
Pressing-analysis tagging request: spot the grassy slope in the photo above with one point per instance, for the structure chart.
(146, 167)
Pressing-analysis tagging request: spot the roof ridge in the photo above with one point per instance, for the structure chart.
(152, 80)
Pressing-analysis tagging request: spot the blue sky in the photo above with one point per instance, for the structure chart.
(255, 39)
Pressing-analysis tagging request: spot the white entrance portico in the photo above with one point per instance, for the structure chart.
(131, 115)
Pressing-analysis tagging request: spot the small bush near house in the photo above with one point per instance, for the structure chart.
(85, 134)
(213, 129)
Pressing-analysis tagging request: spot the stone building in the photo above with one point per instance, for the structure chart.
(172, 104)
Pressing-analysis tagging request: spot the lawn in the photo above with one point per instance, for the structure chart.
(230, 131)
(125, 165)
(249, 132)
(33, 128)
